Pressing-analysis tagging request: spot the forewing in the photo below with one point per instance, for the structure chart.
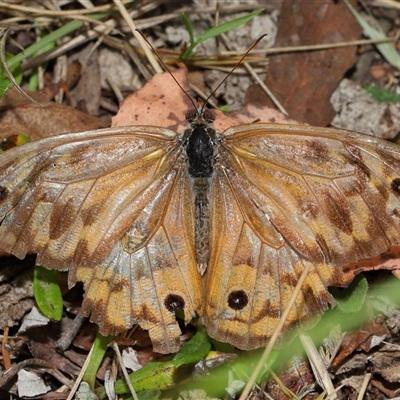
(288, 196)
(64, 193)
(102, 204)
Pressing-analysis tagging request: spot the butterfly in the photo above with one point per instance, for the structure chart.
(217, 224)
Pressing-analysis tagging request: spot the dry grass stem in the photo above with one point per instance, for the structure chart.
(313, 47)
(318, 366)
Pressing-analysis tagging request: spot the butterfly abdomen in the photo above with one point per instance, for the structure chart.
(202, 223)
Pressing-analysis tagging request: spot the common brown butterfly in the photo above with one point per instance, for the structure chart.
(219, 224)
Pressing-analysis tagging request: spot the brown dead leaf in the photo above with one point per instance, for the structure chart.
(304, 81)
(16, 293)
(390, 393)
(20, 116)
(390, 260)
(74, 71)
(88, 88)
(364, 340)
(296, 377)
(387, 364)
(149, 106)
(43, 346)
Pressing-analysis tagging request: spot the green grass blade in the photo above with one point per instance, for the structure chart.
(227, 26)
(97, 354)
(51, 37)
(34, 78)
(5, 82)
(382, 95)
(189, 28)
(219, 29)
(387, 50)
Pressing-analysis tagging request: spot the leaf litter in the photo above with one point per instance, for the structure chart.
(300, 79)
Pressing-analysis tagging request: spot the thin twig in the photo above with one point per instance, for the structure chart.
(81, 374)
(266, 89)
(124, 371)
(313, 47)
(53, 13)
(138, 37)
(318, 366)
(364, 386)
(76, 41)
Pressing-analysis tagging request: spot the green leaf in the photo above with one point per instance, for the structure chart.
(225, 108)
(47, 292)
(382, 95)
(227, 26)
(51, 37)
(14, 140)
(195, 349)
(147, 395)
(34, 78)
(242, 370)
(14, 62)
(351, 299)
(158, 375)
(153, 376)
(22, 139)
(218, 30)
(97, 354)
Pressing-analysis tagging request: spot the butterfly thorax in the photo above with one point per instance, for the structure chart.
(199, 141)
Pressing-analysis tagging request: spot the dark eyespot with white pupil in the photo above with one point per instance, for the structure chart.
(237, 300)
(174, 302)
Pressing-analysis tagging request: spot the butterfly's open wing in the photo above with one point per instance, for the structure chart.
(114, 207)
(286, 198)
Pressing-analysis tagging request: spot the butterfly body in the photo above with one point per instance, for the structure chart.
(217, 224)
(200, 144)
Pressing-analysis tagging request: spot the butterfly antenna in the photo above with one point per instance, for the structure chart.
(233, 69)
(167, 69)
